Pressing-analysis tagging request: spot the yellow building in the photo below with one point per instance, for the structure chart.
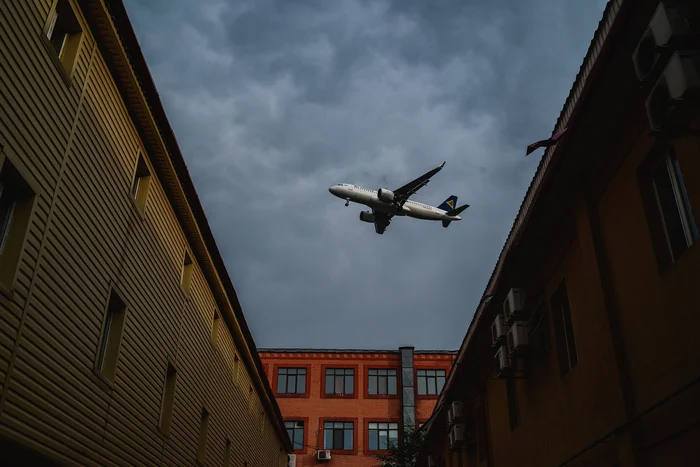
(121, 337)
(584, 349)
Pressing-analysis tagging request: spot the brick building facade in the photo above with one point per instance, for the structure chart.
(352, 402)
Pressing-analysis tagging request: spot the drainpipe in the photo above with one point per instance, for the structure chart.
(408, 398)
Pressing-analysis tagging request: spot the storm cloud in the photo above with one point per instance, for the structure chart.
(272, 102)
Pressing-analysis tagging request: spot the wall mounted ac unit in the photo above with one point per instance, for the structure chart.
(456, 412)
(670, 29)
(458, 434)
(323, 455)
(499, 329)
(675, 97)
(518, 338)
(514, 305)
(502, 362)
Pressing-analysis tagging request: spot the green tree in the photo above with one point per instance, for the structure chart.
(405, 453)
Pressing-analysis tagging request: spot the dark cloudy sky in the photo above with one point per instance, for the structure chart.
(273, 102)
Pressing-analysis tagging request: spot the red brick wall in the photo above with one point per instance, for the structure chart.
(359, 408)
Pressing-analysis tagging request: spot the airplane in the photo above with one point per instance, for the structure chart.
(386, 204)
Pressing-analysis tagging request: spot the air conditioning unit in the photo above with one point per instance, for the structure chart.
(455, 413)
(670, 29)
(292, 460)
(458, 434)
(499, 329)
(502, 362)
(514, 305)
(675, 97)
(517, 338)
(323, 455)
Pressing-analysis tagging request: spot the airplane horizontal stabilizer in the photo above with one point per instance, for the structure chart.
(455, 212)
(446, 224)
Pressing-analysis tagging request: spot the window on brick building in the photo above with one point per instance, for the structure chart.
(674, 205)
(482, 435)
(513, 408)
(382, 435)
(340, 381)
(295, 430)
(430, 382)
(338, 435)
(381, 381)
(563, 330)
(291, 381)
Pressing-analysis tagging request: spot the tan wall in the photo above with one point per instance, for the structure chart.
(658, 310)
(78, 146)
(552, 407)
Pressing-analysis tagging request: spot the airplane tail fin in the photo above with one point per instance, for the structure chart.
(449, 204)
(454, 212)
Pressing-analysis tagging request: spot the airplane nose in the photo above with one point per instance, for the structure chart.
(333, 190)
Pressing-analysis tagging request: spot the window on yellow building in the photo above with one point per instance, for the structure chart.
(236, 368)
(108, 351)
(216, 321)
(186, 277)
(166, 412)
(674, 205)
(16, 203)
(227, 453)
(563, 330)
(203, 426)
(63, 32)
(140, 183)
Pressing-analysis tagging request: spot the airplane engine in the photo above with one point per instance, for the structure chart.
(367, 216)
(386, 195)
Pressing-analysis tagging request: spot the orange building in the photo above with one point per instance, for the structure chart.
(349, 404)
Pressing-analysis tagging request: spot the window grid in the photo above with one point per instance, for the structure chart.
(382, 435)
(340, 381)
(291, 381)
(338, 436)
(430, 382)
(381, 381)
(295, 430)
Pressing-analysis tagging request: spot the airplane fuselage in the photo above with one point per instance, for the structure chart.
(370, 198)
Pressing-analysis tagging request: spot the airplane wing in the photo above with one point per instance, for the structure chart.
(381, 221)
(402, 194)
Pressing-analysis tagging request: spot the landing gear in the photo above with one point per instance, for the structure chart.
(347, 202)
